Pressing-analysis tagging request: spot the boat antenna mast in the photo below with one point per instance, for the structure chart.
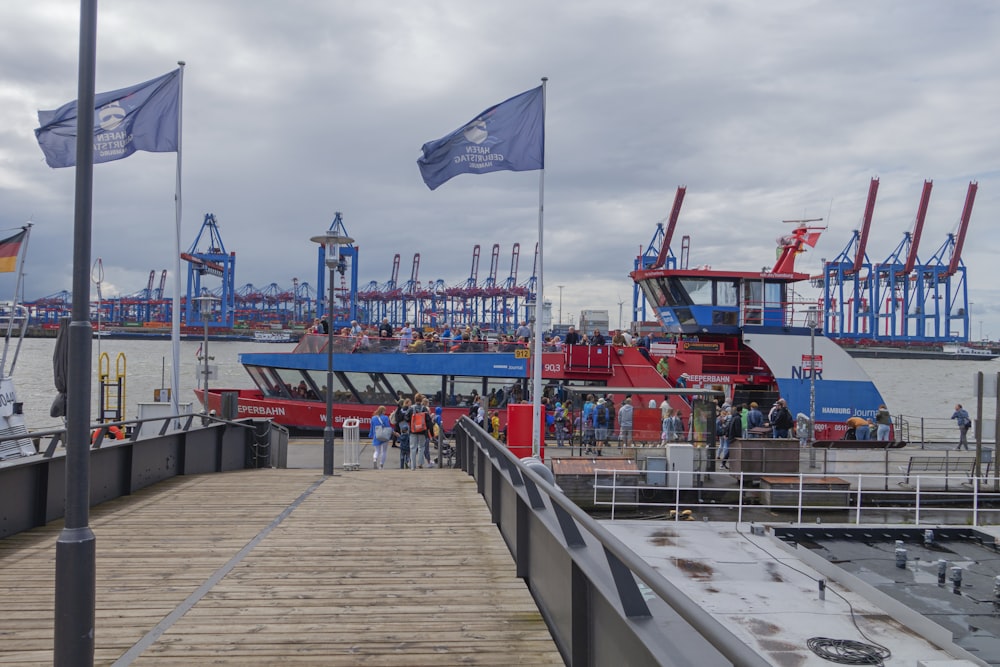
(794, 244)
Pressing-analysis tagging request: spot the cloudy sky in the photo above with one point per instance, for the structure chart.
(296, 110)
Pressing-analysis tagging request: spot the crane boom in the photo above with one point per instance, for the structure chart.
(515, 253)
(963, 227)
(866, 225)
(675, 213)
(394, 280)
(491, 280)
(918, 228)
(474, 272)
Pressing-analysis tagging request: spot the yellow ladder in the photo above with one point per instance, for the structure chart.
(112, 391)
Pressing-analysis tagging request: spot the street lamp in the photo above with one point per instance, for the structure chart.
(205, 302)
(812, 322)
(331, 241)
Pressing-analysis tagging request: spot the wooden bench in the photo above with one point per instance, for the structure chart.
(963, 463)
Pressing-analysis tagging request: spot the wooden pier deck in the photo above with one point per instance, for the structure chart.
(284, 567)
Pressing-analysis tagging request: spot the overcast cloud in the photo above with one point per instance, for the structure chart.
(296, 110)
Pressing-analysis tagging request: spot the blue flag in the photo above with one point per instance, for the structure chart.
(139, 118)
(509, 136)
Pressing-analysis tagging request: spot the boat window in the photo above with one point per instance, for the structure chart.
(357, 382)
(502, 391)
(292, 384)
(428, 385)
(373, 389)
(462, 390)
(699, 290)
(653, 291)
(772, 294)
(398, 383)
(752, 293)
(263, 380)
(725, 317)
(726, 293)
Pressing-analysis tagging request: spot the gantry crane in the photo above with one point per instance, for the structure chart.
(213, 261)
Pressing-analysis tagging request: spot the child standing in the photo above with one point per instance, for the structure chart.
(404, 445)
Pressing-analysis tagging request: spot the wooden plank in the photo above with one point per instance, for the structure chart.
(372, 567)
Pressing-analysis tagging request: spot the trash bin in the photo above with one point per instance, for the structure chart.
(520, 433)
(352, 444)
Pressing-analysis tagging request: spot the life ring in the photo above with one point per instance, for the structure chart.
(112, 433)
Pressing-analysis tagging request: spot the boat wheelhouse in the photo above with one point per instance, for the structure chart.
(748, 334)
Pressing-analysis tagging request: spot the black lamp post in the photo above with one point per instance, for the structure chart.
(331, 241)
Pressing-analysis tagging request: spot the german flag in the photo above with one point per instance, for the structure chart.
(9, 248)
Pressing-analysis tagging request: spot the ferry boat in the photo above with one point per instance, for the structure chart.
(879, 350)
(744, 332)
(291, 386)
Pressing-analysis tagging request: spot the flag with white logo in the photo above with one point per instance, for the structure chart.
(509, 136)
(143, 117)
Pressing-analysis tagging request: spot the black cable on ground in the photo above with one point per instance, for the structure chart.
(843, 651)
(847, 651)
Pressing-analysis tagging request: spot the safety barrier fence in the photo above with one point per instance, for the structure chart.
(919, 431)
(603, 604)
(33, 488)
(799, 498)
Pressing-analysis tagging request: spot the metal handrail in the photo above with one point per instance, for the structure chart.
(545, 501)
(131, 427)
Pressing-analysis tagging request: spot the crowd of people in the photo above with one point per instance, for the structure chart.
(469, 338)
(413, 428)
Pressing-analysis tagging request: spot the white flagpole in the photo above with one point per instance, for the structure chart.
(537, 432)
(175, 328)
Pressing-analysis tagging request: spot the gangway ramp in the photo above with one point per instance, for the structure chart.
(264, 567)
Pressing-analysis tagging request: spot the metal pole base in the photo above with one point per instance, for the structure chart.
(76, 567)
(328, 452)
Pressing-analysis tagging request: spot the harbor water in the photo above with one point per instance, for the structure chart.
(915, 388)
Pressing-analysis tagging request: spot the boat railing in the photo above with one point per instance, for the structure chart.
(801, 498)
(313, 343)
(794, 313)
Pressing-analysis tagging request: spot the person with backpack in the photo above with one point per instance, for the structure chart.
(609, 402)
(381, 435)
(781, 419)
(961, 416)
(559, 421)
(587, 423)
(431, 432)
(625, 423)
(734, 431)
(419, 419)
